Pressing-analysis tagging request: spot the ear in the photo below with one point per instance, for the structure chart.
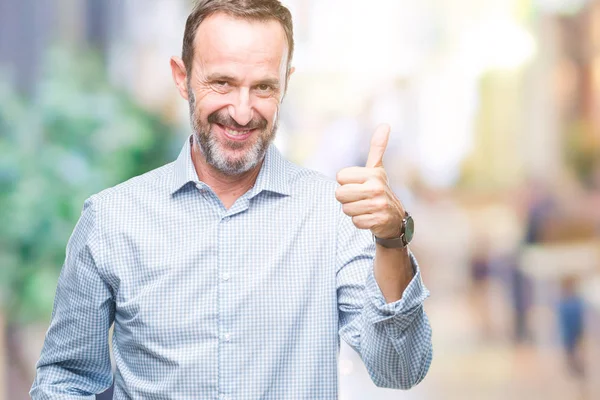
(179, 76)
(287, 81)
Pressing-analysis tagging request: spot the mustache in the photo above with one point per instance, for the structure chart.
(218, 117)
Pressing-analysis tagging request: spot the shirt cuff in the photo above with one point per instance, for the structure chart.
(401, 312)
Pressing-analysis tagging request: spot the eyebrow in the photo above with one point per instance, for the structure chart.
(220, 77)
(269, 81)
(227, 78)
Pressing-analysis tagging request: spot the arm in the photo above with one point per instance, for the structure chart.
(75, 360)
(393, 270)
(381, 300)
(393, 339)
(366, 196)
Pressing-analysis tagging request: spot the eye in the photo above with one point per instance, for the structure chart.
(263, 87)
(221, 83)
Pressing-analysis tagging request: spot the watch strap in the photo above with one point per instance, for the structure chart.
(395, 243)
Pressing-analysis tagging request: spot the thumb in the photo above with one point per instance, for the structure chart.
(379, 143)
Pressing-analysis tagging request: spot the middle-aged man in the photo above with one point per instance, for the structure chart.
(231, 273)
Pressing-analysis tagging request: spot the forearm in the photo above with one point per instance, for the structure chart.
(397, 356)
(396, 339)
(75, 359)
(393, 271)
(392, 337)
(72, 367)
(48, 391)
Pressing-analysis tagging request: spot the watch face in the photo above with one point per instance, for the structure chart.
(409, 230)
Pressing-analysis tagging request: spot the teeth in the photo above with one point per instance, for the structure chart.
(236, 133)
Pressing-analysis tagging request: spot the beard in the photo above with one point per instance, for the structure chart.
(214, 151)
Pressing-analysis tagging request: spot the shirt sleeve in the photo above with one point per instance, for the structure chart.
(393, 339)
(75, 358)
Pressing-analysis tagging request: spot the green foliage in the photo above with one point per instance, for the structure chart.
(77, 136)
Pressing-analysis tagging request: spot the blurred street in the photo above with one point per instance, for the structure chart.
(494, 149)
(476, 356)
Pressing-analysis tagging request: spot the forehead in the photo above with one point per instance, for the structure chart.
(222, 39)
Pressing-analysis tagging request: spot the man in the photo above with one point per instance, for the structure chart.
(231, 273)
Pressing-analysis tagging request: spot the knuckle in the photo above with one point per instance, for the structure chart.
(380, 203)
(338, 193)
(369, 186)
(386, 219)
(359, 222)
(377, 189)
(342, 175)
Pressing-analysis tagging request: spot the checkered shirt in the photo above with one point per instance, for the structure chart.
(248, 302)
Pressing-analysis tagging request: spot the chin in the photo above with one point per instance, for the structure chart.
(241, 162)
(233, 157)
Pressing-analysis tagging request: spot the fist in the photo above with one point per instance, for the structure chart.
(366, 195)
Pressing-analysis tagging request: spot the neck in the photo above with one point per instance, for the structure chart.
(228, 188)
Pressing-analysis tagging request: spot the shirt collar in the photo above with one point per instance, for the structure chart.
(273, 175)
(183, 168)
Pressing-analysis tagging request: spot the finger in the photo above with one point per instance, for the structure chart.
(355, 191)
(364, 221)
(379, 143)
(351, 192)
(353, 175)
(361, 207)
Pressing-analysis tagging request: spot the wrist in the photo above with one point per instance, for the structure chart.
(405, 236)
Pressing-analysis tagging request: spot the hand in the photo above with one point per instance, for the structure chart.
(366, 195)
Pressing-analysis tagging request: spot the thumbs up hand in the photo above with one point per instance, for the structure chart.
(366, 195)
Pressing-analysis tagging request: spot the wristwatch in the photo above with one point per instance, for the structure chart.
(407, 232)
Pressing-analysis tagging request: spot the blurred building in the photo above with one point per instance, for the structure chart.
(135, 38)
(576, 78)
(483, 97)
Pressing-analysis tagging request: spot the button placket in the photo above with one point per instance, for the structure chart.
(224, 277)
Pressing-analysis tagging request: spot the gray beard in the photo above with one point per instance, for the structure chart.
(213, 153)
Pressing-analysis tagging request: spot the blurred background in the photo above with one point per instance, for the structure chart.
(495, 148)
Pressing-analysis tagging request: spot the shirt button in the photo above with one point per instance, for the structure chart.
(226, 276)
(225, 397)
(227, 337)
(226, 219)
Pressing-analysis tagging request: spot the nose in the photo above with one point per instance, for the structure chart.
(241, 109)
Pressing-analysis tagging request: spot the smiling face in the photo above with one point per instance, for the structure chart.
(234, 90)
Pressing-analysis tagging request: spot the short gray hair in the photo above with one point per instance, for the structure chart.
(253, 10)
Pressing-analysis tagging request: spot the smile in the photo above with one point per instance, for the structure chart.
(234, 134)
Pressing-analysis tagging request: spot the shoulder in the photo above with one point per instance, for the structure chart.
(313, 189)
(301, 178)
(142, 188)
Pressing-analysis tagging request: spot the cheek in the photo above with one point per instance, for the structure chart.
(207, 103)
(268, 108)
